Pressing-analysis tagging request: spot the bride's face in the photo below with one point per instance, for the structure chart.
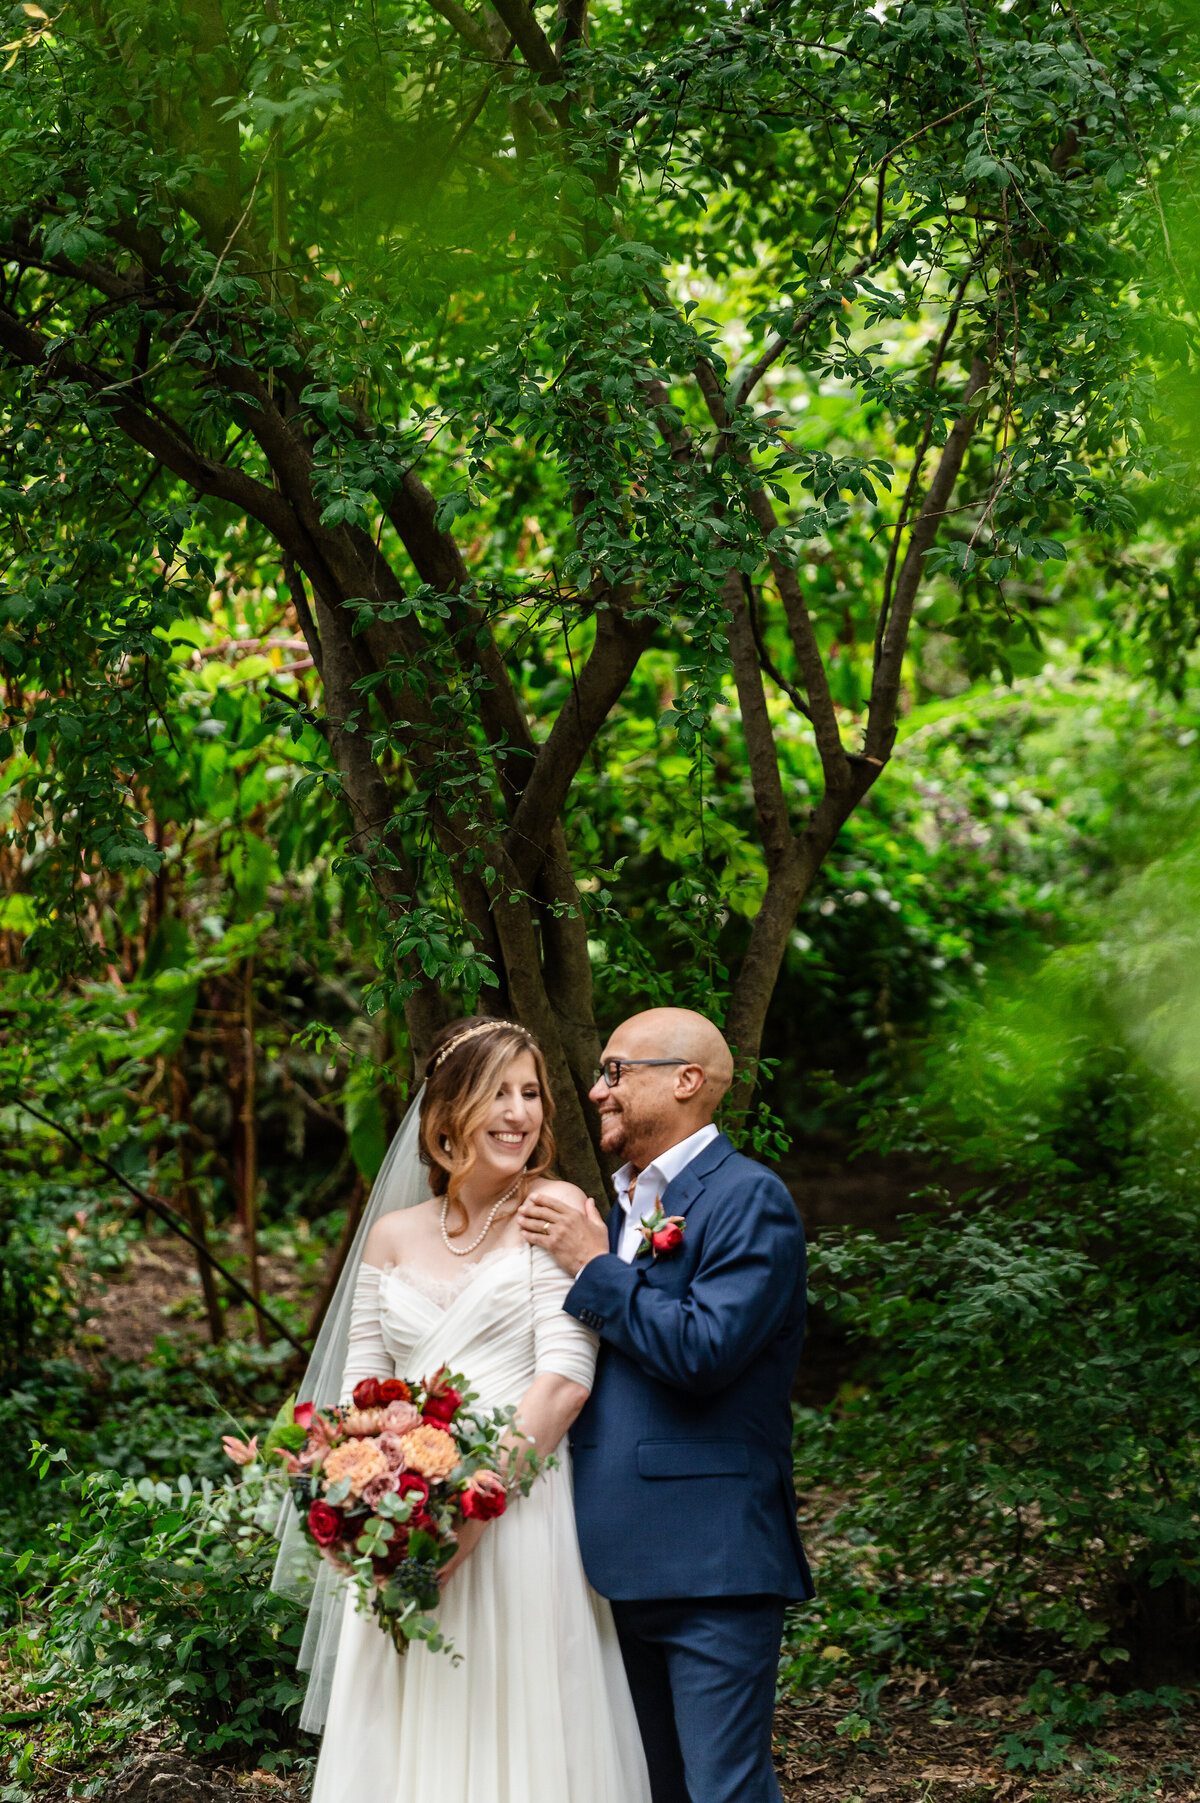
(505, 1142)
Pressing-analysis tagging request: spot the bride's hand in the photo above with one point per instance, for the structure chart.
(469, 1536)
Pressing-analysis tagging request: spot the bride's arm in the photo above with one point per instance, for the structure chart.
(564, 1353)
(366, 1354)
(546, 1411)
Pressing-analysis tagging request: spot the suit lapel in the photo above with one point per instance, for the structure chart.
(692, 1180)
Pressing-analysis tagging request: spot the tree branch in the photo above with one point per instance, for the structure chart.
(885, 685)
(169, 1217)
(764, 656)
(614, 657)
(476, 35)
(439, 562)
(521, 24)
(770, 804)
(811, 664)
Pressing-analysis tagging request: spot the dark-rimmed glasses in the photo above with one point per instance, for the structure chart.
(611, 1069)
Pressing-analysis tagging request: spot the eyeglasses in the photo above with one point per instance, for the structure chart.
(611, 1069)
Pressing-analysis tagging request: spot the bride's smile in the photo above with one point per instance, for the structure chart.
(505, 1139)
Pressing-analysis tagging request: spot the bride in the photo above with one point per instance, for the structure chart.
(538, 1710)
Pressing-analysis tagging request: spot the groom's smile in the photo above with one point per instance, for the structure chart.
(660, 1078)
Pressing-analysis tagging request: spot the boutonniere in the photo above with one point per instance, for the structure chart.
(660, 1233)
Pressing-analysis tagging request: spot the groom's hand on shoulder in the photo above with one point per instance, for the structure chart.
(567, 1223)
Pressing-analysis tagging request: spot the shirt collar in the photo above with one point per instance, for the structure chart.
(666, 1167)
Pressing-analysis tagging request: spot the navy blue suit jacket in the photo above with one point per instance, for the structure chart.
(683, 1451)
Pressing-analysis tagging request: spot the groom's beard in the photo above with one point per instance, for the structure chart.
(630, 1139)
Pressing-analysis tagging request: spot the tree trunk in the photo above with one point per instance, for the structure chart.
(194, 1207)
(249, 1138)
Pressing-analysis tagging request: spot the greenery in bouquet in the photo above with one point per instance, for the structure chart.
(382, 1488)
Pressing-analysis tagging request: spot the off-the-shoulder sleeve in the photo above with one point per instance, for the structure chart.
(366, 1354)
(561, 1344)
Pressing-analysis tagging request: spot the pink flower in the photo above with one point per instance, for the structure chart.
(320, 1439)
(400, 1418)
(376, 1487)
(392, 1450)
(291, 1463)
(242, 1452)
(302, 1415)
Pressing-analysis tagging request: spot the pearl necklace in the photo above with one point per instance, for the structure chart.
(465, 1251)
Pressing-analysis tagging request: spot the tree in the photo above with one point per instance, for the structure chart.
(334, 302)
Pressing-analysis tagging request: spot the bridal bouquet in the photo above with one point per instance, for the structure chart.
(383, 1486)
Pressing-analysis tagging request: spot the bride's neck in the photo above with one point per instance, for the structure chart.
(478, 1194)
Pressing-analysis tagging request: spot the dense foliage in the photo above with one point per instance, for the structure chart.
(749, 341)
(1022, 1445)
(1025, 1443)
(158, 1612)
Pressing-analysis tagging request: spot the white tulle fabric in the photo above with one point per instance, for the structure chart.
(538, 1710)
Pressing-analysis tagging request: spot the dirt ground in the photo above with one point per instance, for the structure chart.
(913, 1757)
(908, 1757)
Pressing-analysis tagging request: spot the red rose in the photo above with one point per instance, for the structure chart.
(668, 1238)
(441, 1408)
(393, 1390)
(422, 1520)
(366, 1394)
(324, 1524)
(484, 1497)
(302, 1415)
(413, 1489)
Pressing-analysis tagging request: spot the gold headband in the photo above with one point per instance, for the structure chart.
(488, 1026)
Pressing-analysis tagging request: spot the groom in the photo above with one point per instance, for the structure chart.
(682, 1454)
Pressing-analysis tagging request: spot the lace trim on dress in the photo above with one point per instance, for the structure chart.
(442, 1291)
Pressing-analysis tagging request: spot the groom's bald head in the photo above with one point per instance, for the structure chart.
(680, 1033)
(654, 1106)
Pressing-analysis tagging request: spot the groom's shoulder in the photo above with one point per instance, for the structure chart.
(736, 1171)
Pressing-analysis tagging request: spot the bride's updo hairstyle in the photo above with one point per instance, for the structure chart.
(463, 1071)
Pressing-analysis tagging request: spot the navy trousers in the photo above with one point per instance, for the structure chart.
(702, 1671)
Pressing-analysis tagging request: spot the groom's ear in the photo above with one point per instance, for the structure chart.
(689, 1081)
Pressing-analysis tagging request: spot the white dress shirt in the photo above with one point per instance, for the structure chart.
(638, 1191)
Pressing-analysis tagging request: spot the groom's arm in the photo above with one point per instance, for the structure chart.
(735, 1303)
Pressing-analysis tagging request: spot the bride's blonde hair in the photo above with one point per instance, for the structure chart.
(462, 1074)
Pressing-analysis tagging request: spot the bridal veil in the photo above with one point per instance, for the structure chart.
(403, 1182)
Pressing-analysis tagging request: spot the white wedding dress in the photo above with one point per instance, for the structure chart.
(538, 1710)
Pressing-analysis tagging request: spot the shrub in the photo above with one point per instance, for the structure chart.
(1023, 1449)
(155, 1609)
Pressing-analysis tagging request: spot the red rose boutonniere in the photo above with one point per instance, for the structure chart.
(661, 1234)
